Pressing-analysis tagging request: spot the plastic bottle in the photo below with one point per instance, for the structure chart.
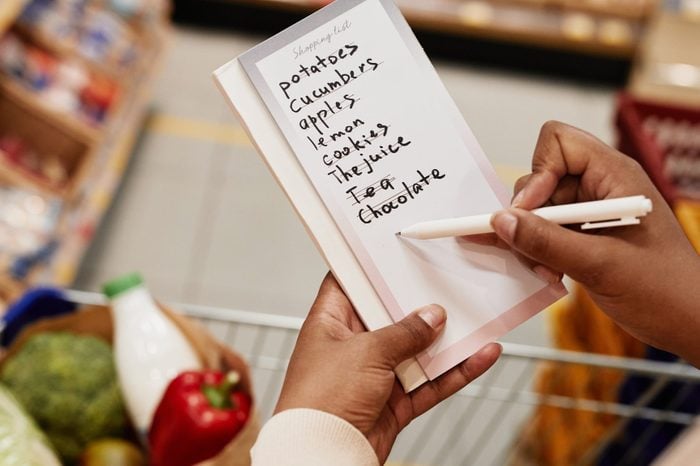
(149, 349)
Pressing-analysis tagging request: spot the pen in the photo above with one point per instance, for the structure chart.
(594, 214)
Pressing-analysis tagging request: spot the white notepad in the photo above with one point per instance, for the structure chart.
(359, 131)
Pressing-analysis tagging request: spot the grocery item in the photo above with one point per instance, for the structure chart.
(12, 55)
(665, 139)
(23, 444)
(149, 348)
(64, 85)
(578, 26)
(46, 167)
(69, 79)
(67, 382)
(200, 413)
(112, 452)
(97, 98)
(27, 222)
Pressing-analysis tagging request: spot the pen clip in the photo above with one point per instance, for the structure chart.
(610, 223)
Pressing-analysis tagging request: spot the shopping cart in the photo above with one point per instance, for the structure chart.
(482, 424)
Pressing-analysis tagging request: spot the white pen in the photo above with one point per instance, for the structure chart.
(594, 214)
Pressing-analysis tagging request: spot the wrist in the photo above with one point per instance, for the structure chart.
(317, 436)
(680, 317)
(311, 403)
(690, 295)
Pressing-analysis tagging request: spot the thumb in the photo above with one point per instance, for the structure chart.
(547, 243)
(409, 336)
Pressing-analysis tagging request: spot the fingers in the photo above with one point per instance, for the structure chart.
(563, 150)
(430, 394)
(491, 239)
(329, 289)
(332, 305)
(520, 184)
(544, 272)
(566, 192)
(486, 239)
(330, 297)
(547, 243)
(411, 335)
(539, 188)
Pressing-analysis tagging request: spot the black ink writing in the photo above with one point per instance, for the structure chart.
(321, 63)
(367, 162)
(358, 195)
(297, 104)
(352, 151)
(319, 119)
(355, 144)
(409, 191)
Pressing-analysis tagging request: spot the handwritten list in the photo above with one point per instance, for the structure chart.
(382, 143)
(349, 142)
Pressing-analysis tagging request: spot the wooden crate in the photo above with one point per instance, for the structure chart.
(48, 136)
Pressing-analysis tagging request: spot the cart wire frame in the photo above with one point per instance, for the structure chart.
(481, 424)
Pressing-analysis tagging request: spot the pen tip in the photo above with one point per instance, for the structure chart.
(398, 233)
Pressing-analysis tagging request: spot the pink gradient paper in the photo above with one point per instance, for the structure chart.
(486, 291)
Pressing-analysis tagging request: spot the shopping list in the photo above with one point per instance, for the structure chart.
(384, 146)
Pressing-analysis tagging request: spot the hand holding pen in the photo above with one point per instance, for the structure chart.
(644, 276)
(607, 213)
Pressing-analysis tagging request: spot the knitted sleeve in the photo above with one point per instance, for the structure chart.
(307, 437)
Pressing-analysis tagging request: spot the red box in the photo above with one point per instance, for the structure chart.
(665, 140)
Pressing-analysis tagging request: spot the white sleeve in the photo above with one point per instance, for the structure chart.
(307, 437)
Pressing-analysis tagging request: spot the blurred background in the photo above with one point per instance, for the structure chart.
(117, 153)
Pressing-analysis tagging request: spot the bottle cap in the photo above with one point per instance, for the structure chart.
(122, 284)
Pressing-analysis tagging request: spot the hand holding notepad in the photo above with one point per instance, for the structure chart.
(362, 135)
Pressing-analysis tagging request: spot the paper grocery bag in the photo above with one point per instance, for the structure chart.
(212, 353)
(215, 355)
(237, 453)
(96, 321)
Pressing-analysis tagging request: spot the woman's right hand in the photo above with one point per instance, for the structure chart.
(646, 277)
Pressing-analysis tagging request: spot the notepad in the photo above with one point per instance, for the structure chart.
(358, 129)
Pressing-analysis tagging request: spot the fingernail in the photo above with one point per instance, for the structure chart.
(433, 315)
(518, 198)
(505, 224)
(547, 274)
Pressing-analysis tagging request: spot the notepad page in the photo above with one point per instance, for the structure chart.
(384, 146)
(269, 141)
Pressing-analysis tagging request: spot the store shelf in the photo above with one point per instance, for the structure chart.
(15, 176)
(70, 123)
(63, 49)
(520, 23)
(289, 5)
(48, 157)
(9, 11)
(605, 28)
(94, 155)
(80, 224)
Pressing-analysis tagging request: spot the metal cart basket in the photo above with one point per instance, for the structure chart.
(481, 425)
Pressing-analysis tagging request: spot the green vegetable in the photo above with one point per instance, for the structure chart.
(22, 443)
(68, 383)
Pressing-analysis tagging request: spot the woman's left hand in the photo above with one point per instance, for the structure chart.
(340, 368)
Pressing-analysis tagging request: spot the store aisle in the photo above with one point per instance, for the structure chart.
(204, 221)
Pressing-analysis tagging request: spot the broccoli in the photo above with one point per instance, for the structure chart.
(68, 383)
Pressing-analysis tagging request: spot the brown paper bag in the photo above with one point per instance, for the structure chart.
(96, 321)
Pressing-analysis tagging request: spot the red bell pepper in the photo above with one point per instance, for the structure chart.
(199, 414)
